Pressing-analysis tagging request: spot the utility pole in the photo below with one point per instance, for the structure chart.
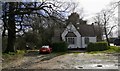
(118, 19)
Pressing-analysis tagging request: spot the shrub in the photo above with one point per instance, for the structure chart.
(59, 46)
(20, 43)
(98, 46)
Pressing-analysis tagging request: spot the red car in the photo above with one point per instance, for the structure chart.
(45, 49)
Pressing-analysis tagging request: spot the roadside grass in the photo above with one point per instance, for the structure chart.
(112, 49)
(93, 52)
(20, 53)
(11, 56)
(77, 53)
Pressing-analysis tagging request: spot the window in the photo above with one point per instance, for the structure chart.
(78, 28)
(71, 40)
(86, 40)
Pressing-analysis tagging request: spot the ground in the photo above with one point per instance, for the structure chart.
(71, 60)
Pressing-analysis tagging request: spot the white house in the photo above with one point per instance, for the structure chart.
(78, 36)
(76, 32)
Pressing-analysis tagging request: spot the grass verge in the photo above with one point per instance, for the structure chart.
(7, 57)
(112, 49)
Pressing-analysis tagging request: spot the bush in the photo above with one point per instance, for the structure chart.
(59, 46)
(20, 43)
(98, 46)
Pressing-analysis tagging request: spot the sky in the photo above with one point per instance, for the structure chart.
(91, 7)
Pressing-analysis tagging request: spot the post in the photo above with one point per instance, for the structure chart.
(118, 20)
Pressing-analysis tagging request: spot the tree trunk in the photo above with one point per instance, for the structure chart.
(3, 33)
(11, 29)
(107, 36)
(5, 24)
(100, 32)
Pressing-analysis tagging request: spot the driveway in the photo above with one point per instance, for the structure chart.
(66, 61)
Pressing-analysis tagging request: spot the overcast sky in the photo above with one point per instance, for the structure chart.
(91, 7)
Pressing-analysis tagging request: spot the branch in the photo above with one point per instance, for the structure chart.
(111, 29)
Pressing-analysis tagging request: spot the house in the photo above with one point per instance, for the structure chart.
(77, 33)
(77, 36)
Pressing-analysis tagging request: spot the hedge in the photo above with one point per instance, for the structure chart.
(59, 46)
(98, 46)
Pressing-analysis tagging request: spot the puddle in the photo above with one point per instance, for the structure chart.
(97, 66)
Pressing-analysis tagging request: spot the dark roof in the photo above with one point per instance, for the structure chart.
(86, 30)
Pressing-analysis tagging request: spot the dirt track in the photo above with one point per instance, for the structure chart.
(34, 60)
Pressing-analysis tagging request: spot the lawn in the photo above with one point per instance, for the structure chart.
(113, 49)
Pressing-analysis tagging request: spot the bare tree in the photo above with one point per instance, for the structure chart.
(14, 13)
(98, 22)
(104, 18)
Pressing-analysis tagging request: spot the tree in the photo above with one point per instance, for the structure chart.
(98, 22)
(11, 29)
(14, 13)
(74, 18)
(103, 20)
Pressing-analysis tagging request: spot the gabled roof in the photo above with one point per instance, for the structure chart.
(86, 30)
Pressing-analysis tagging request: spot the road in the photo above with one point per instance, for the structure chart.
(66, 61)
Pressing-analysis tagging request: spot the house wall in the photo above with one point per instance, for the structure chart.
(80, 41)
(83, 42)
(78, 38)
(91, 39)
(72, 45)
(79, 45)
